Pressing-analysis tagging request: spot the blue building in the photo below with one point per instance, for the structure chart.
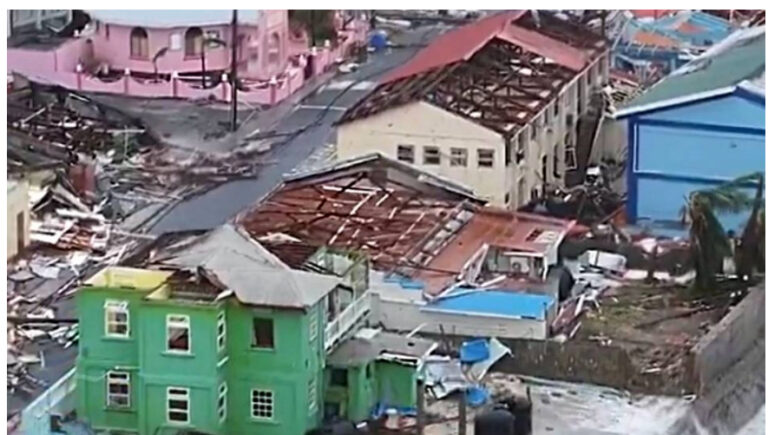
(648, 48)
(702, 125)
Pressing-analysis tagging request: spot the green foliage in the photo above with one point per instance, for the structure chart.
(317, 23)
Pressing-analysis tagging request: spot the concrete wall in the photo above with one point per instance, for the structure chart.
(18, 204)
(728, 341)
(421, 124)
(407, 315)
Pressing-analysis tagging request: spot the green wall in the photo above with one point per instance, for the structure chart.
(286, 370)
(396, 384)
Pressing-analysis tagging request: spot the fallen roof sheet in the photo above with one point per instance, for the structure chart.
(364, 348)
(494, 302)
(256, 276)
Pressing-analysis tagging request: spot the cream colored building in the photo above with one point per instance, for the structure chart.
(504, 165)
(17, 217)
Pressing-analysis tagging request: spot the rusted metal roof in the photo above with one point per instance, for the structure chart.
(505, 230)
(375, 205)
(499, 72)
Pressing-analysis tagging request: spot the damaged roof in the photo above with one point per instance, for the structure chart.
(369, 345)
(499, 72)
(257, 277)
(738, 58)
(376, 205)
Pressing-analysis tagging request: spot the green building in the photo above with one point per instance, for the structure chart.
(219, 334)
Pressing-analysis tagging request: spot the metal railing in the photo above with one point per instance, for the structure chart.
(339, 326)
(56, 400)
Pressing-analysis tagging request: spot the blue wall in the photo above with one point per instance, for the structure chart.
(680, 149)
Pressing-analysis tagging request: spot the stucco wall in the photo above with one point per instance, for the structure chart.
(404, 315)
(728, 341)
(421, 124)
(18, 203)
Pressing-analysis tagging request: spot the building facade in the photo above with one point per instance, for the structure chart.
(506, 128)
(701, 126)
(30, 20)
(217, 334)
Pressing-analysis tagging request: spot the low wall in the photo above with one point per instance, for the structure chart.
(405, 315)
(728, 341)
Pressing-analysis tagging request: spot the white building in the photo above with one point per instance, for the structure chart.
(492, 105)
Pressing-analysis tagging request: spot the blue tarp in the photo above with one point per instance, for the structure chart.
(501, 303)
(477, 395)
(474, 351)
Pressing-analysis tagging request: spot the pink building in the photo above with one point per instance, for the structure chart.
(163, 53)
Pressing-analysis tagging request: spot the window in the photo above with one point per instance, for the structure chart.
(369, 371)
(221, 402)
(177, 333)
(139, 43)
(556, 162)
(534, 129)
(221, 331)
(520, 155)
(262, 404)
(339, 377)
(547, 115)
(405, 153)
(431, 156)
(116, 319)
(313, 325)
(212, 35)
(177, 401)
(263, 334)
(175, 42)
(570, 158)
(273, 49)
(458, 157)
(193, 42)
(521, 191)
(118, 389)
(557, 106)
(312, 393)
(506, 198)
(485, 158)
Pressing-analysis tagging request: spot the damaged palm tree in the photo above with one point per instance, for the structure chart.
(709, 242)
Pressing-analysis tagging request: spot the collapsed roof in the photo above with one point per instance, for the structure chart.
(499, 72)
(233, 261)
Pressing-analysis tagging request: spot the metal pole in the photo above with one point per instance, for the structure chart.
(202, 61)
(420, 414)
(312, 26)
(462, 412)
(233, 72)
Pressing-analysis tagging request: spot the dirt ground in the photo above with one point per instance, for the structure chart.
(657, 325)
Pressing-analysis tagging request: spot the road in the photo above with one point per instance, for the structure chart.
(220, 204)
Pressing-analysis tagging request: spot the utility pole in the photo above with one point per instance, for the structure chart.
(233, 72)
(312, 26)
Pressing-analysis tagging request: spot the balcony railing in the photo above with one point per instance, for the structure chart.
(339, 326)
(59, 399)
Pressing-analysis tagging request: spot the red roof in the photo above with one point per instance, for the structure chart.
(462, 43)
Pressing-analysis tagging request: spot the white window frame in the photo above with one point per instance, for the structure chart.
(114, 306)
(177, 393)
(114, 377)
(312, 393)
(407, 151)
(313, 328)
(431, 152)
(221, 402)
(178, 321)
(270, 403)
(459, 157)
(221, 331)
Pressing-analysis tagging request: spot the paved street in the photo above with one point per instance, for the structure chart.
(220, 204)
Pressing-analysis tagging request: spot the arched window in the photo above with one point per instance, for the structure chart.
(273, 49)
(193, 42)
(139, 43)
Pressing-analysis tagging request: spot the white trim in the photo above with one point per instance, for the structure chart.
(181, 321)
(269, 404)
(221, 331)
(313, 326)
(221, 407)
(312, 395)
(126, 381)
(111, 305)
(181, 393)
(621, 113)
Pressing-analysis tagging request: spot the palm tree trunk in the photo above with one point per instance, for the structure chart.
(749, 249)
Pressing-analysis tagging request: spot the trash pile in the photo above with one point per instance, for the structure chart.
(444, 376)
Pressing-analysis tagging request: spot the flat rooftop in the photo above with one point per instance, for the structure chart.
(494, 302)
(370, 344)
